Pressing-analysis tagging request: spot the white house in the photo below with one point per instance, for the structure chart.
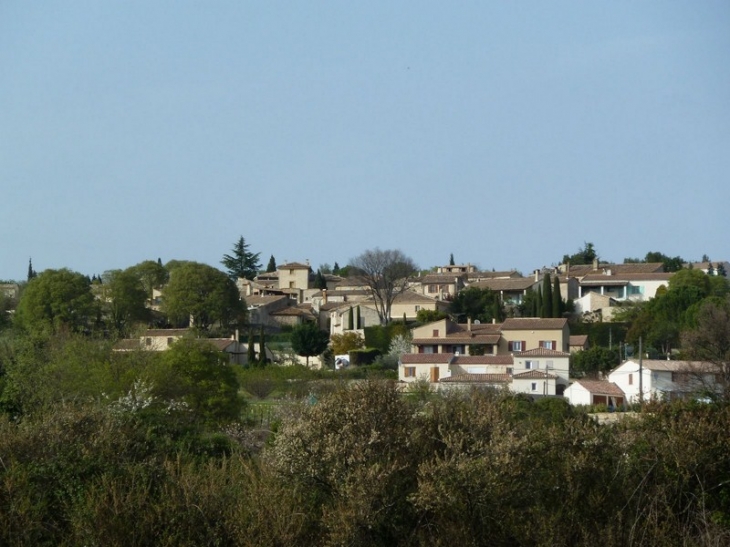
(594, 392)
(662, 380)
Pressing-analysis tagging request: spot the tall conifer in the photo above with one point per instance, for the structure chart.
(557, 299)
(547, 297)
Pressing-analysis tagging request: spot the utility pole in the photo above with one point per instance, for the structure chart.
(641, 374)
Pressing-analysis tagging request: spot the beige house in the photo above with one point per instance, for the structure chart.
(162, 339)
(446, 336)
(525, 333)
(440, 286)
(451, 367)
(294, 275)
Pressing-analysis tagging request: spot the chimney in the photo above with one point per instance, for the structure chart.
(595, 263)
(324, 296)
(468, 324)
(537, 276)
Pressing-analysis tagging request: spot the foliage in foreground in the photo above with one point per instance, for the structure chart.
(364, 464)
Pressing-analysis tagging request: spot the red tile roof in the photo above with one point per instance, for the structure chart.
(542, 352)
(472, 378)
(533, 323)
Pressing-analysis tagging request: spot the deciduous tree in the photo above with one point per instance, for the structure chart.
(123, 299)
(386, 273)
(56, 300)
(205, 294)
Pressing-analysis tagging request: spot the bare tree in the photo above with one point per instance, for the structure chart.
(386, 273)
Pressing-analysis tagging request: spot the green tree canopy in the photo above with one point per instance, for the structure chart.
(586, 255)
(56, 300)
(308, 340)
(151, 274)
(271, 266)
(196, 372)
(206, 295)
(123, 298)
(242, 262)
(477, 303)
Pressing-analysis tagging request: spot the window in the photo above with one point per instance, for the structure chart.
(549, 364)
(433, 288)
(418, 308)
(148, 341)
(631, 379)
(532, 365)
(514, 346)
(435, 333)
(533, 386)
(410, 372)
(428, 349)
(548, 344)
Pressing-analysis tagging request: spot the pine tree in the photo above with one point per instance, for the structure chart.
(271, 267)
(721, 270)
(242, 263)
(547, 297)
(557, 299)
(320, 281)
(336, 269)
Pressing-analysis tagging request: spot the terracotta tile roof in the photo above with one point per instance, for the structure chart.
(472, 378)
(459, 338)
(601, 387)
(426, 358)
(534, 374)
(542, 352)
(442, 279)
(483, 360)
(632, 268)
(578, 340)
(293, 266)
(662, 365)
(410, 296)
(495, 275)
(264, 300)
(294, 311)
(221, 344)
(533, 323)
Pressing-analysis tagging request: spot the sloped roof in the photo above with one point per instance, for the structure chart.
(220, 344)
(533, 323)
(293, 266)
(542, 352)
(464, 360)
(578, 340)
(472, 378)
(443, 278)
(534, 374)
(264, 300)
(513, 284)
(426, 358)
(601, 387)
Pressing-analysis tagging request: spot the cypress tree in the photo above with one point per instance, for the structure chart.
(451, 260)
(547, 297)
(557, 299)
(351, 319)
(359, 321)
(537, 308)
(271, 267)
(251, 355)
(31, 272)
(336, 269)
(262, 348)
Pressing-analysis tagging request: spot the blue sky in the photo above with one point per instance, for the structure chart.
(506, 133)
